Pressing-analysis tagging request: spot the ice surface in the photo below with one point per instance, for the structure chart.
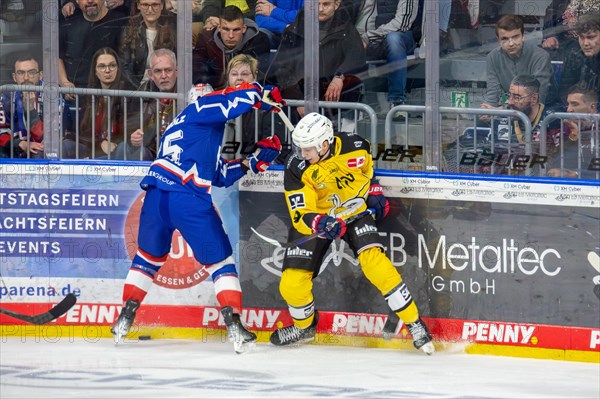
(33, 367)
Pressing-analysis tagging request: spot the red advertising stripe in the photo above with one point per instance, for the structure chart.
(333, 323)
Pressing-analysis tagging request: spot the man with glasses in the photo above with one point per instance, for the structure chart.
(582, 65)
(80, 36)
(524, 96)
(21, 113)
(514, 57)
(163, 78)
(234, 35)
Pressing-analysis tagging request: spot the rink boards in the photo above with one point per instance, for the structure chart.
(498, 266)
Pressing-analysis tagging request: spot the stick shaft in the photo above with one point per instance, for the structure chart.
(351, 219)
(286, 120)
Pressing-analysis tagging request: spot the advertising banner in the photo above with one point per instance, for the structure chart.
(73, 228)
(497, 256)
(497, 262)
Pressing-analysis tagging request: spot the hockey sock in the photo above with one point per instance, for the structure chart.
(296, 289)
(227, 284)
(141, 274)
(379, 270)
(303, 316)
(401, 302)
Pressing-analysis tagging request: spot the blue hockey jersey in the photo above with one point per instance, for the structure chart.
(189, 157)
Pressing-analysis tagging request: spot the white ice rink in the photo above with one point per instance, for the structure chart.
(74, 368)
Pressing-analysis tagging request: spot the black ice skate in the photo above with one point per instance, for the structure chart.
(125, 320)
(236, 332)
(421, 336)
(293, 335)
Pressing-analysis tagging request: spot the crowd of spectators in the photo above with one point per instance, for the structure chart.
(132, 44)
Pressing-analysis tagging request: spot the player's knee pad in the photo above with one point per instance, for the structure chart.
(296, 287)
(379, 270)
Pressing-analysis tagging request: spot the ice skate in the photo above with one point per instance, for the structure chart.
(125, 320)
(243, 340)
(291, 335)
(421, 336)
(391, 327)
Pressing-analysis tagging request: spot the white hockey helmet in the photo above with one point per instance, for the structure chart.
(312, 131)
(199, 90)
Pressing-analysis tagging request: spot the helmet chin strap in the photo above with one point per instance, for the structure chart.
(327, 153)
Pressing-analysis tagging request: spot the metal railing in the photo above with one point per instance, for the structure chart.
(352, 117)
(451, 161)
(142, 97)
(578, 141)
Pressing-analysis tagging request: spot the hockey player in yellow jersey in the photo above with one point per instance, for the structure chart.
(329, 179)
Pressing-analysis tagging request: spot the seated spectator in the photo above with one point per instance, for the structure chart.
(141, 143)
(92, 27)
(390, 30)
(148, 29)
(27, 121)
(197, 16)
(515, 57)
(561, 17)
(244, 68)
(580, 157)
(499, 146)
(214, 49)
(582, 65)
(212, 10)
(102, 122)
(69, 7)
(341, 55)
(81, 35)
(524, 96)
(273, 16)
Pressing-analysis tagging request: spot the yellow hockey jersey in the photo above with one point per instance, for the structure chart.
(336, 186)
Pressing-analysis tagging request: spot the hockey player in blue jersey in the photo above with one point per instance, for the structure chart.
(178, 196)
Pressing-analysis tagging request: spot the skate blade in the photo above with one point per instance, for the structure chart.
(118, 337)
(294, 344)
(428, 348)
(243, 347)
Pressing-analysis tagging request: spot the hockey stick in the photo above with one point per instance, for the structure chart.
(286, 121)
(61, 308)
(302, 240)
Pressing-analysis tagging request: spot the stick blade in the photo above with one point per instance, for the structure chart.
(63, 307)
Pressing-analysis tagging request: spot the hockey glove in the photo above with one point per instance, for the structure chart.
(377, 201)
(271, 99)
(331, 227)
(267, 150)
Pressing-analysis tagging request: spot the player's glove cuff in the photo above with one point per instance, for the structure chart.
(329, 227)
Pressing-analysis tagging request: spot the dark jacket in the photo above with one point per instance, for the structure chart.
(210, 56)
(213, 8)
(150, 116)
(580, 69)
(134, 57)
(80, 39)
(340, 50)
